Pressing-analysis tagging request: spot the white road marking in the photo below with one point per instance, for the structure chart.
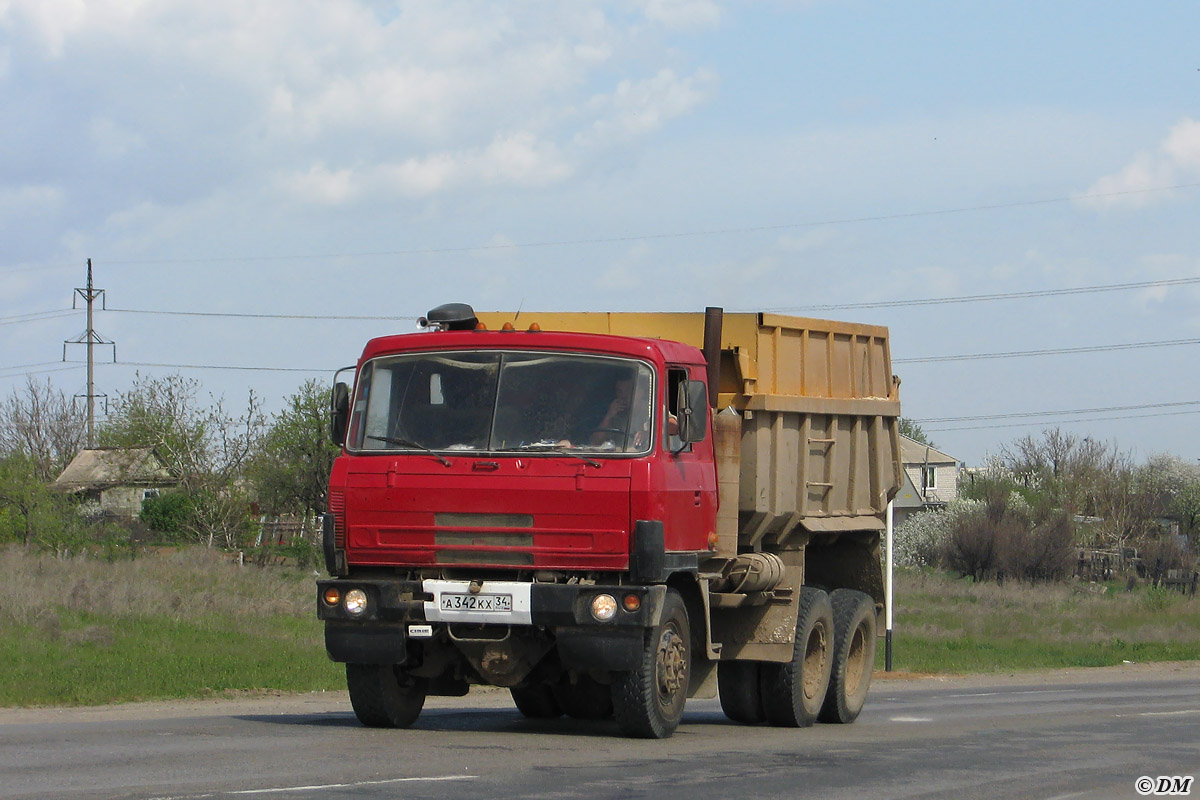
(1066, 796)
(911, 719)
(321, 787)
(1028, 691)
(1162, 713)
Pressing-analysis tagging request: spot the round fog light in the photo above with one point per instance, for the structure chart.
(604, 607)
(356, 602)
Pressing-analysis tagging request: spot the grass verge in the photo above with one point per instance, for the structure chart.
(947, 625)
(188, 623)
(179, 624)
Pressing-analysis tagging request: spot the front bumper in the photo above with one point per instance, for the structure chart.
(396, 609)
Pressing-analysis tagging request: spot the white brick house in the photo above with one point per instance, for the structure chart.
(930, 478)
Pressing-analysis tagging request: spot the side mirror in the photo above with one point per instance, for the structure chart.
(692, 402)
(339, 407)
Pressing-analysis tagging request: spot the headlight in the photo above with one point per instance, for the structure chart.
(604, 607)
(355, 602)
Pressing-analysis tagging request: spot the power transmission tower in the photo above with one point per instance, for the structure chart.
(90, 338)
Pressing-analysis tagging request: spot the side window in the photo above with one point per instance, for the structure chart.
(671, 440)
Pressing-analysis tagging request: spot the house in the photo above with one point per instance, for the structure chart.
(930, 479)
(116, 480)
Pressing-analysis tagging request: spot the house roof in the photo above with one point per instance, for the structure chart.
(105, 467)
(913, 452)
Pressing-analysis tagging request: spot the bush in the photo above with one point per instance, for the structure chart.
(920, 540)
(168, 514)
(1003, 537)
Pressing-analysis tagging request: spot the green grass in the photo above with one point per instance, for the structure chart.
(946, 625)
(174, 625)
(190, 623)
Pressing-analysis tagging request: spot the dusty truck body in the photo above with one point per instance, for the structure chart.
(584, 511)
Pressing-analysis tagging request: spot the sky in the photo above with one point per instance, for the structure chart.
(268, 185)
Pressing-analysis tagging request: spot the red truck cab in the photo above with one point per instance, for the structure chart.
(509, 508)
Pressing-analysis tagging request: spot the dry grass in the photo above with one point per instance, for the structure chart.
(948, 625)
(176, 623)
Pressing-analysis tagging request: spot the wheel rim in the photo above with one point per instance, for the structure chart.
(670, 666)
(856, 660)
(816, 650)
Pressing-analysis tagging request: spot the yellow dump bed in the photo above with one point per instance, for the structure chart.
(818, 409)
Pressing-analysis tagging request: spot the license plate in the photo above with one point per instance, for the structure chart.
(476, 602)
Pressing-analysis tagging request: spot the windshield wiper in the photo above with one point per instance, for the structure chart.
(410, 443)
(558, 450)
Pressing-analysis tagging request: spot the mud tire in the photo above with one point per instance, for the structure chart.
(383, 696)
(536, 701)
(586, 699)
(854, 656)
(741, 694)
(793, 693)
(648, 701)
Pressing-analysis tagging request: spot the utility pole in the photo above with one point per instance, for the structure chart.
(90, 338)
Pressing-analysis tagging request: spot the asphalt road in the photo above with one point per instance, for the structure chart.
(1079, 733)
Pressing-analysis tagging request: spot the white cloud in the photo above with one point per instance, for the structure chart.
(638, 108)
(519, 160)
(1176, 159)
(683, 13)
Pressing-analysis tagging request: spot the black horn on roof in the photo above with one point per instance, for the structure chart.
(451, 317)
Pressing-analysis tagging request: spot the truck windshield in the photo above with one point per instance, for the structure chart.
(503, 402)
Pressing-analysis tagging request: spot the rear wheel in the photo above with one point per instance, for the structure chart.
(383, 696)
(584, 699)
(741, 695)
(536, 701)
(854, 656)
(792, 693)
(648, 701)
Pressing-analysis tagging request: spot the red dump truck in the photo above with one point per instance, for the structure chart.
(610, 513)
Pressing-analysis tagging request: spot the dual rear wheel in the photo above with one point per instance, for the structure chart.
(829, 674)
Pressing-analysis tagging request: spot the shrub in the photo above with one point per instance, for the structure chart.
(168, 514)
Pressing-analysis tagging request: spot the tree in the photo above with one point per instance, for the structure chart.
(45, 425)
(290, 469)
(205, 447)
(42, 516)
(913, 431)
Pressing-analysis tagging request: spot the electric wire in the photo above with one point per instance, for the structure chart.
(1058, 422)
(237, 315)
(976, 298)
(636, 237)
(1060, 412)
(1047, 352)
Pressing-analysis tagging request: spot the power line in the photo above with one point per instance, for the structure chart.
(975, 298)
(217, 366)
(255, 316)
(42, 371)
(1105, 410)
(641, 237)
(1060, 422)
(38, 316)
(1047, 352)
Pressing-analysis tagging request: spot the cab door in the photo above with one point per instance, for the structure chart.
(688, 472)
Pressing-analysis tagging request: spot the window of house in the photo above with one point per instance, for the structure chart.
(928, 477)
(148, 493)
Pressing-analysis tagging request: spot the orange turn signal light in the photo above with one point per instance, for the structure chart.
(631, 602)
(331, 596)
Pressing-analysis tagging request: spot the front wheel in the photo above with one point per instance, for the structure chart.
(384, 697)
(853, 658)
(648, 701)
